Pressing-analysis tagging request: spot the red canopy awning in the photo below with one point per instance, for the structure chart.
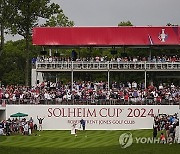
(107, 36)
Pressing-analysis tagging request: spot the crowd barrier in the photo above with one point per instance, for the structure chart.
(134, 101)
(83, 65)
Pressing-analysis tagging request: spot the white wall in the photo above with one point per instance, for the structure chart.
(98, 117)
(35, 74)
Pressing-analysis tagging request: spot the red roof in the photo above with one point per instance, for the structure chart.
(106, 36)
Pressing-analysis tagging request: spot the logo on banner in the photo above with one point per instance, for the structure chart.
(163, 36)
(125, 140)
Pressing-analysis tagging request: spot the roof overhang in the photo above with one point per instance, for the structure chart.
(107, 36)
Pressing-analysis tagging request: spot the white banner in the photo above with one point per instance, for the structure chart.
(97, 117)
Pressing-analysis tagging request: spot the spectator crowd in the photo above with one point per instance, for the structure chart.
(15, 125)
(169, 124)
(90, 92)
(155, 59)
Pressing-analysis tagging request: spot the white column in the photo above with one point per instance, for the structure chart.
(56, 78)
(72, 79)
(33, 77)
(72, 76)
(40, 77)
(50, 52)
(145, 76)
(145, 79)
(108, 77)
(108, 80)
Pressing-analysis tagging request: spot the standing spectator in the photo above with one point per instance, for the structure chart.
(177, 138)
(167, 125)
(31, 124)
(26, 128)
(40, 123)
(83, 123)
(154, 132)
(171, 134)
(134, 85)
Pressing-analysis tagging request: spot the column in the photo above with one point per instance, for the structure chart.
(108, 76)
(72, 79)
(33, 77)
(72, 76)
(56, 78)
(108, 79)
(145, 79)
(145, 76)
(50, 52)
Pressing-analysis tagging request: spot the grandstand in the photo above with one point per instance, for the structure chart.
(109, 37)
(105, 105)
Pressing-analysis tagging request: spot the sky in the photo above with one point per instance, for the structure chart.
(112, 12)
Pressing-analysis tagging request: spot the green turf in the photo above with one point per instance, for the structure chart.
(91, 142)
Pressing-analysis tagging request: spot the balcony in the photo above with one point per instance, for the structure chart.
(106, 66)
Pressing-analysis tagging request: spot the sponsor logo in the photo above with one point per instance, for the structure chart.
(163, 36)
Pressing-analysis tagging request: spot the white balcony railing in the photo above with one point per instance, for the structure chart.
(109, 65)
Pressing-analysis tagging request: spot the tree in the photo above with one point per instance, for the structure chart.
(59, 20)
(12, 62)
(125, 23)
(26, 16)
(169, 24)
(6, 14)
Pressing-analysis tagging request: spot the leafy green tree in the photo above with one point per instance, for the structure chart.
(12, 62)
(125, 23)
(6, 14)
(26, 16)
(59, 20)
(169, 24)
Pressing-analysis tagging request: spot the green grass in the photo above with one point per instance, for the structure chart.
(91, 142)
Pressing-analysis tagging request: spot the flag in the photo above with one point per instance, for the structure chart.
(150, 40)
